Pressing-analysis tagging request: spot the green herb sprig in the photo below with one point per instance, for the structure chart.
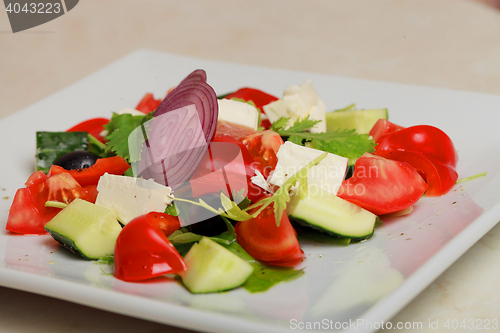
(345, 143)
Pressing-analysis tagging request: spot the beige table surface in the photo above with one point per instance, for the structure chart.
(453, 44)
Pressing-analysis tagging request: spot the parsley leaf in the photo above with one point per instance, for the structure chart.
(119, 127)
(345, 143)
(280, 124)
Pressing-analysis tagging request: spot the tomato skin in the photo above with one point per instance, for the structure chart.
(439, 176)
(382, 186)
(382, 127)
(428, 140)
(167, 223)
(148, 103)
(93, 126)
(26, 217)
(142, 251)
(263, 146)
(428, 149)
(258, 97)
(36, 178)
(264, 241)
(115, 165)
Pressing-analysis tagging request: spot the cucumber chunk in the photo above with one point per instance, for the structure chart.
(213, 268)
(326, 212)
(361, 121)
(86, 229)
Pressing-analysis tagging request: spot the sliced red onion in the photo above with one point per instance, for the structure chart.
(197, 75)
(169, 147)
(194, 90)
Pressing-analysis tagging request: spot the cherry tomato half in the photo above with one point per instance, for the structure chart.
(382, 186)
(142, 251)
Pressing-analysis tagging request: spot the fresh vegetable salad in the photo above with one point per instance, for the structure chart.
(219, 190)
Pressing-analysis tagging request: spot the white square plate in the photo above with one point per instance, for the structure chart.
(366, 282)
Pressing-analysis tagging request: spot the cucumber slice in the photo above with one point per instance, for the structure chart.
(326, 212)
(86, 229)
(361, 121)
(213, 268)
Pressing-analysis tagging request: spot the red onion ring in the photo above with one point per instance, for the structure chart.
(194, 90)
(172, 147)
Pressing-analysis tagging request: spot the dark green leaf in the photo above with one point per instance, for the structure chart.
(172, 210)
(52, 145)
(119, 127)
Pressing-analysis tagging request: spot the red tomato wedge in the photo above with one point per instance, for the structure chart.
(263, 146)
(148, 103)
(93, 126)
(382, 127)
(382, 186)
(265, 241)
(26, 216)
(142, 251)
(28, 213)
(115, 165)
(36, 178)
(440, 177)
(64, 188)
(428, 149)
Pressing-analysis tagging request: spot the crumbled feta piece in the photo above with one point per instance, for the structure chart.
(129, 197)
(328, 174)
(299, 102)
(238, 113)
(260, 181)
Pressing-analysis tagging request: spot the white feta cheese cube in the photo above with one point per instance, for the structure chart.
(239, 113)
(129, 197)
(299, 102)
(328, 174)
